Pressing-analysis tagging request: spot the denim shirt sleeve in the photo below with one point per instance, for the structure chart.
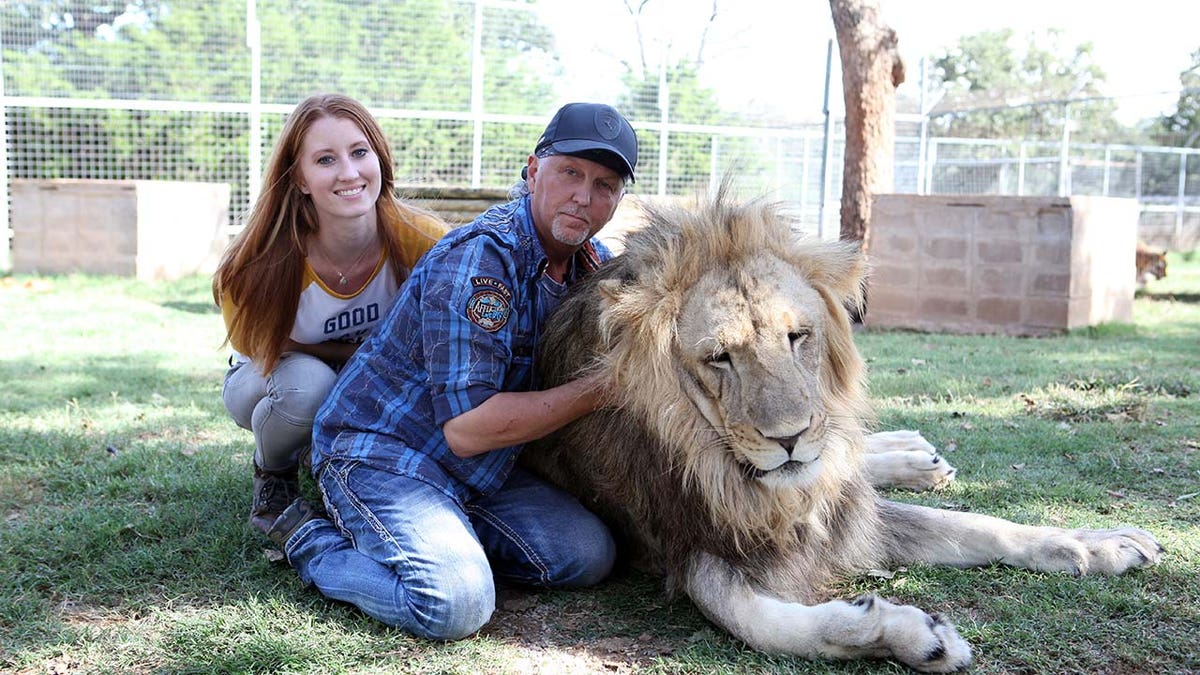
(470, 319)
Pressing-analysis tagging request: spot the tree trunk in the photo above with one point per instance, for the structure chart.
(871, 71)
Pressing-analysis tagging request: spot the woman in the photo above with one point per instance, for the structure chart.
(324, 251)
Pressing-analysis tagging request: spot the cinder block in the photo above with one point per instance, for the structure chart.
(1056, 285)
(941, 307)
(1054, 222)
(945, 248)
(894, 276)
(950, 278)
(1000, 251)
(1010, 265)
(999, 311)
(999, 280)
(1046, 313)
(1052, 254)
(148, 229)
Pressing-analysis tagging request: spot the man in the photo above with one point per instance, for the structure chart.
(415, 448)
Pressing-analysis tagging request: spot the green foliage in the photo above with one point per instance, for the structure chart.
(690, 154)
(410, 54)
(990, 85)
(1182, 127)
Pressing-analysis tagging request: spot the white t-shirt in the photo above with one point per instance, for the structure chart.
(325, 315)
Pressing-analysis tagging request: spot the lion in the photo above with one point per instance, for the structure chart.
(733, 458)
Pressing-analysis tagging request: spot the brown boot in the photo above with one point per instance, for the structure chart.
(273, 492)
(295, 515)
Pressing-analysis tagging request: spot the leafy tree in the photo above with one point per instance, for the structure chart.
(689, 154)
(1182, 127)
(993, 88)
(413, 54)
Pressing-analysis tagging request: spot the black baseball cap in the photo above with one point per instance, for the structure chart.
(592, 131)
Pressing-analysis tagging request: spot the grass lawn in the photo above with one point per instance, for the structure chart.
(124, 489)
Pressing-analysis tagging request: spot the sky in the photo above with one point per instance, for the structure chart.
(1142, 46)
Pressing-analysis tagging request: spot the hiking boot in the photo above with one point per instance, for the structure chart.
(296, 514)
(273, 492)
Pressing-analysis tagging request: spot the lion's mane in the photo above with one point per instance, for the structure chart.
(651, 465)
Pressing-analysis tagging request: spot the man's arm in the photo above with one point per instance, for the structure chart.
(513, 417)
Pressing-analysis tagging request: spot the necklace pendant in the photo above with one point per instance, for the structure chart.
(341, 279)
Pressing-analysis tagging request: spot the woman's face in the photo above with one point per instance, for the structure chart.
(339, 169)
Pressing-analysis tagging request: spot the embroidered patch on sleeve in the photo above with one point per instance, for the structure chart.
(490, 305)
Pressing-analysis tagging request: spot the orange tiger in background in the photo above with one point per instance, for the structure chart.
(1151, 262)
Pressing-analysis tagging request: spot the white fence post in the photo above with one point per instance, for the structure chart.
(5, 228)
(254, 144)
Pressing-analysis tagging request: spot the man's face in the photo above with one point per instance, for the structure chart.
(571, 198)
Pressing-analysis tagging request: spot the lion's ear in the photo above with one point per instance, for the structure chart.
(839, 266)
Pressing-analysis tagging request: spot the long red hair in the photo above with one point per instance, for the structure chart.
(263, 267)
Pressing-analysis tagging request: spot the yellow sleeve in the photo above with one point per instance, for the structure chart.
(417, 235)
(228, 311)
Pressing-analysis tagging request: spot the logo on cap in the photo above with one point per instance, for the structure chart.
(607, 124)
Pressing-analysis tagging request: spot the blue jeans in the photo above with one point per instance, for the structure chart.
(411, 556)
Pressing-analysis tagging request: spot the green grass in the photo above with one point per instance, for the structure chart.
(124, 488)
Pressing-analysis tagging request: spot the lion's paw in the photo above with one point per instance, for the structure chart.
(914, 470)
(1084, 551)
(899, 440)
(924, 642)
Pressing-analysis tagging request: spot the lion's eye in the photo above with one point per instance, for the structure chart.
(719, 360)
(798, 336)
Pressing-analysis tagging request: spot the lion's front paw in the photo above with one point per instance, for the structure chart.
(925, 642)
(1083, 551)
(914, 470)
(900, 439)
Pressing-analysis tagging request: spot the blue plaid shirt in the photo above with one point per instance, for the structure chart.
(464, 327)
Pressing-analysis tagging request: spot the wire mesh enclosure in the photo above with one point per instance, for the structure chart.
(197, 91)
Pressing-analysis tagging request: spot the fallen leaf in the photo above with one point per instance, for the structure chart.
(1116, 495)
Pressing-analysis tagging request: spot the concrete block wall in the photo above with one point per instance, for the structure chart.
(993, 264)
(146, 229)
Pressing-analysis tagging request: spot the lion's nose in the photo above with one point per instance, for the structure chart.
(788, 443)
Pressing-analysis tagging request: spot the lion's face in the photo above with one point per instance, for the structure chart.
(728, 343)
(752, 344)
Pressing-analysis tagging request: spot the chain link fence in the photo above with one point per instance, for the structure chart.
(197, 91)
